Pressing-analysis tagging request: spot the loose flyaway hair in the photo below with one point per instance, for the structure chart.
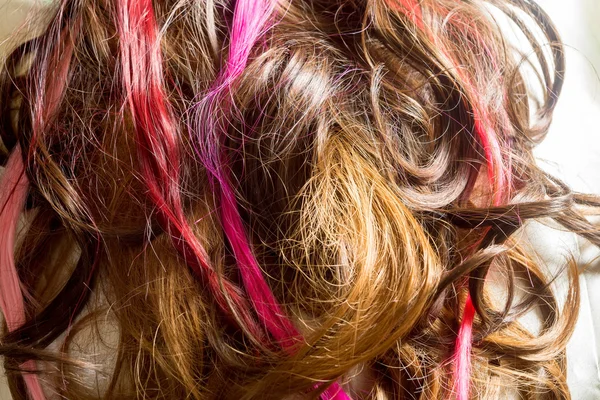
(281, 199)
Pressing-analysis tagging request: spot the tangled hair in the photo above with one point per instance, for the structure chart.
(279, 199)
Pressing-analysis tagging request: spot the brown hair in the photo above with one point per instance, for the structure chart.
(257, 199)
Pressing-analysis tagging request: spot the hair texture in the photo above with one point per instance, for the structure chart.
(280, 199)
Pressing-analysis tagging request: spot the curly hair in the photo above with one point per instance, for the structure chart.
(269, 199)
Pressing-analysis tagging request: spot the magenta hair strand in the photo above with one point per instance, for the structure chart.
(11, 294)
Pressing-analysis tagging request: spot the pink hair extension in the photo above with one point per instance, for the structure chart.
(462, 353)
(49, 93)
(498, 175)
(499, 178)
(11, 294)
(249, 20)
(142, 79)
(412, 9)
(250, 16)
(45, 104)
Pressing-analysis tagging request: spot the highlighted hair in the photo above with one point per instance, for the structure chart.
(274, 198)
(14, 186)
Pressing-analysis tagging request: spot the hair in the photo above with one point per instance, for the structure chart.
(278, 199)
